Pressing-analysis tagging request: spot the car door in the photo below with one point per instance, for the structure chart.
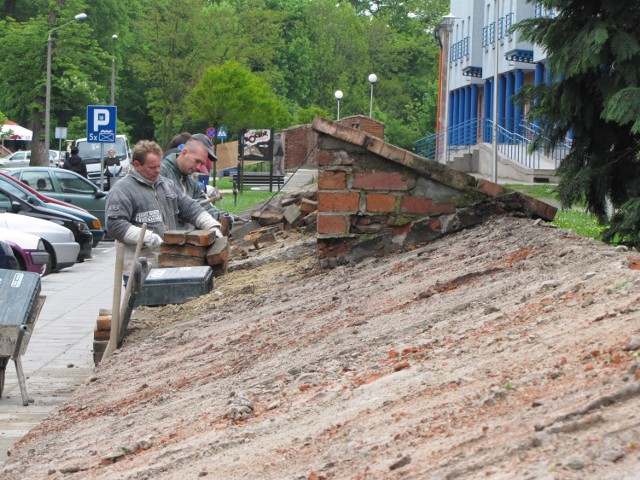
(18, 159)
(79, 191)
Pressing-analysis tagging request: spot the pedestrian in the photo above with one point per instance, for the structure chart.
(145, 196)
(112, 167)
(278, 156)
(185, 160)
(75, 163)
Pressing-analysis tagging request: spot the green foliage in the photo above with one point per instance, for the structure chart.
(594, 51)
(306, 115)
(244, 201)
(234, 96)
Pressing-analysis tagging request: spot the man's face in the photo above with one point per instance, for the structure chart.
(151, 168)
(192, 158)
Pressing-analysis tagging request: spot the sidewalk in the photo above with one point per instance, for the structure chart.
(59, 356)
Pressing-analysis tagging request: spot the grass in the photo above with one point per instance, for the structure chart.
(576, 220)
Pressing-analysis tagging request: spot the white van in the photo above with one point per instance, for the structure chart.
(90, 155)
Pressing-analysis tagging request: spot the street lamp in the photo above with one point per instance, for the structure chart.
(338, 96)
(113, 72)
(47, 102)
(373, 79)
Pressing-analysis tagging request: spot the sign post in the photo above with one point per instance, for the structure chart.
(61, 134)
(101, 128)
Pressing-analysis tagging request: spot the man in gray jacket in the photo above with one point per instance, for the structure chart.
(144, 196)
(181, 164)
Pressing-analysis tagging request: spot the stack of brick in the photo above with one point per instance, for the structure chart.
(194, 248)
(297, 210)
(101, 334)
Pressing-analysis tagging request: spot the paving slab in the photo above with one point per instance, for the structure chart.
(59, 356)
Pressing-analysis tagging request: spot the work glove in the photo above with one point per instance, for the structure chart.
(152, 240)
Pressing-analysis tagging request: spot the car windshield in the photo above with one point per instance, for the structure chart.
(12, 189)
(92, 150)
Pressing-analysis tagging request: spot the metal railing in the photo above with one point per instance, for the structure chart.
(511, 145)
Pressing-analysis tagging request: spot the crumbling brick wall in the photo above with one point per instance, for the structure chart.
(300, 141)
(375, 198)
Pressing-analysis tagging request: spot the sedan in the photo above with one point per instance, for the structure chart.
(11, 202)
(21, 158)
(64, 185)
(15, 186)
(58, 241)
(28, 251)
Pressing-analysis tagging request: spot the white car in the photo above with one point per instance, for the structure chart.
(58, 240)
(22, 158)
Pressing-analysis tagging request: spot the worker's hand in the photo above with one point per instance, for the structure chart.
(152, 241)
(206, 222)
(217, 232)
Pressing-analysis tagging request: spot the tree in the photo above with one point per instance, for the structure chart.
(234, 96)
(593, 51)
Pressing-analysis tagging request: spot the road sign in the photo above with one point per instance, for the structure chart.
(101, 123)
(222, 132)
(211, 132)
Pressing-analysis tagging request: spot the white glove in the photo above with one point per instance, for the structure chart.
(206, 222)
(152, 240)
(217, 232)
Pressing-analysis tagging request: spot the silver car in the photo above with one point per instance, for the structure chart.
(22, 158)
(58, 240)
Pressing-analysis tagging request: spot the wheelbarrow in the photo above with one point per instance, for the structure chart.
(20, 305)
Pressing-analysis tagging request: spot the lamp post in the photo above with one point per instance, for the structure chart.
(446, 25)
(372, 79)
(47, 101)
(338, 96)
(494, 170)
(113, 72)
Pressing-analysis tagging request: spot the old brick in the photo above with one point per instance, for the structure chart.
(267, 218)
(104, 323)
(175, 237)
(97, 357)
(101, 334)
(292, 213)
(420, 205)
(332, 157)
(308, 206)
(218, 253)
(381, 181)
(489, 188)
(435, 224)
(380, 202)
(183, 250)
(167, 261)
(338, 202)
(332, 180)
(400, 229)
(332, 224)
(311, 220)
(100, 345)
(221, 269)
(201, 238)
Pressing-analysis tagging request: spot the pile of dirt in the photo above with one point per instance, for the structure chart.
(506, 351)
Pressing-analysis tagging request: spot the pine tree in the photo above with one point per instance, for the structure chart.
(593, 50)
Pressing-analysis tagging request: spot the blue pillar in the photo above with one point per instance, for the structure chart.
(517, 110)
(508, 102)
(467, 116)
(502, 83)
(548, 77)
(460, 116)
(488, 101)
(539, 76)
(473, 132)
(454, 123)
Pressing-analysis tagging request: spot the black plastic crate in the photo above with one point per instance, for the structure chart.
(165, 286)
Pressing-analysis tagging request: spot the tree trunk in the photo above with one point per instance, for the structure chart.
(39, 151)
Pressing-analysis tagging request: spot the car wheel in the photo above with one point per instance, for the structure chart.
(51, 264)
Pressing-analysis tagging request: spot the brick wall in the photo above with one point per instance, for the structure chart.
(375, 198)
(299, 147)
(364, 123)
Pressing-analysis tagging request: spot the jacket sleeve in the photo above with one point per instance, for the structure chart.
(118, 211)
(199, 196)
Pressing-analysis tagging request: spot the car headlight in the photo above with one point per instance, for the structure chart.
(81, 226)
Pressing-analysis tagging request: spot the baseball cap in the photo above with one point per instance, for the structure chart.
(206, 141)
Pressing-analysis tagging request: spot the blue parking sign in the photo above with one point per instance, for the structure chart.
(101, 123)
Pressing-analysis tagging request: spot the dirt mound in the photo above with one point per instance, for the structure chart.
(505, 351)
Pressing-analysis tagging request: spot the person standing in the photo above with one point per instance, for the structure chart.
(278, 156)
(111, 166)
(181, 164)
(145, 196)
(75, 163)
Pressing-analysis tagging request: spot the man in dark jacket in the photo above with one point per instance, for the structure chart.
(75, 163)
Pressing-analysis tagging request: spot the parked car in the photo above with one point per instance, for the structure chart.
(21, 158)
(64, 185)
(13, 203)
(8, 260)
(89, 152)
(28, 251)
(57, 157)
(58, 241)
(35, 198)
